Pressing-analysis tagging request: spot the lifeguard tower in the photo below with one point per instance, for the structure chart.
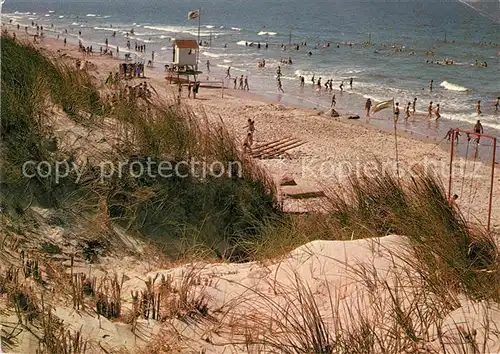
(185, 56)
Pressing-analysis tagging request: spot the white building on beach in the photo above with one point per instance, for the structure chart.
(185, 54)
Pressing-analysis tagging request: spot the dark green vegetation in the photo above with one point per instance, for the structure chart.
(184, 214)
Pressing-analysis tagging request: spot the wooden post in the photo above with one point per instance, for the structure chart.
(451, 162)
(491, 183)
(395, 136)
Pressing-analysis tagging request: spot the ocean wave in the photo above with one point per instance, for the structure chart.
(170, 29)
(452, 87)
(235, 29)
(209, 26)
(263, 33)
(92, 15)
(61, 16)
(105, 29)
(212, 55)
(51, 11)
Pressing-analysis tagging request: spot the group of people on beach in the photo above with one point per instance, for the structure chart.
(243, 83)
(131, 70)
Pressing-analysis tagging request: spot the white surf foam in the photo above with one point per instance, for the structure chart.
(212, 55)
(263, 33)
(235, 29)
(452, 87)
(92, 15)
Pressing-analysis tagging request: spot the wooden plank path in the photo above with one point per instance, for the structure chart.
(276, 147)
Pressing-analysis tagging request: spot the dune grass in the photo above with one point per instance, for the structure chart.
(450, 252)
(207, 210)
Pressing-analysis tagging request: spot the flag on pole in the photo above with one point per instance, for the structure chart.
(193, 14)
(382, 105)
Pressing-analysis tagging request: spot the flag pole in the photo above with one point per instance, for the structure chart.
(395, 135)
(199, 26)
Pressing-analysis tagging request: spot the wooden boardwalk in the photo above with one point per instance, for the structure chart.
(275, 148)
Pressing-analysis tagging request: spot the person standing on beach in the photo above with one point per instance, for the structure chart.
(241, 83)
(250, 126)
(248, 142)
(190, 87)
(368, 106)
(478, 129)
(407, 111)
(235, 80)
(302, 81)
(396, 112)
(350, 83)
(245, 87)
(497, 103)
(208, 65)
(228, 73)
(414, 105)
(431, 85)
(436, 112)
(280, 86)
(341, 87)
(450, 133)
(65, 41)
(478, 108)
(312, 79)
(429, 111)
(334, 103)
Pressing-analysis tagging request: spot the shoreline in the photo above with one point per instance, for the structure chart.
(331, 143)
